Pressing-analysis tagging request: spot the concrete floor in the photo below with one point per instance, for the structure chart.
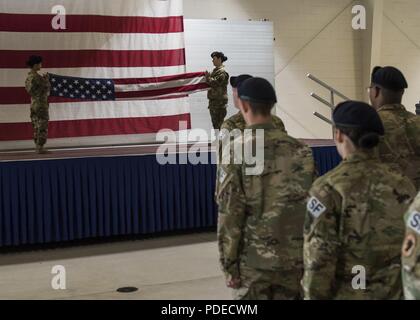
(179, 267)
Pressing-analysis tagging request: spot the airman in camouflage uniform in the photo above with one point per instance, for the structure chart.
(38, 87)
(411, 252)
(354, 216)
(400, 147)
(261, 216)
(217, 95)
(237, 121)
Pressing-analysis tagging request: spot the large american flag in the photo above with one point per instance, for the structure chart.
(131, 52)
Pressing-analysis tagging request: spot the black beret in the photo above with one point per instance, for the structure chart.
(33, 60)
(355, 114)
(390, 78)
(257, 90)
(236, 81)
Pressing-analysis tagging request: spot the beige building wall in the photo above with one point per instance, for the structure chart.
(401, 44)
(312, 36)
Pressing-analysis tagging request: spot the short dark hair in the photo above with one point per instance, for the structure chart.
(261, 108)
(219, 55)
(33, 60)
(361, 138)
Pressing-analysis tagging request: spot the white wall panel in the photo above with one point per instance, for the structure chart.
(248, 46)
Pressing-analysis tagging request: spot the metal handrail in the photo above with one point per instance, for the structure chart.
(322, 100)
(316, 114)
(330, 104)
(326, 86)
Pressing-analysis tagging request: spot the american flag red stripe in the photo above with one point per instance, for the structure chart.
(94, 58)
(139, 44)
(95, 127)
(103, 24)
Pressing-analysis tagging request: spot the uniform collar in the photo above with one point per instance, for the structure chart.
(359, 156)
(392, 107)
(267, 125)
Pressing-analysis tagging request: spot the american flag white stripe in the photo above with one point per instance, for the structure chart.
(90, 41)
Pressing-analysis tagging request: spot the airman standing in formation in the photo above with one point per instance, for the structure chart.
(261, 215)
(355, 215)
(400, 146)
(354, 223)
(38, 86)
(217, 95)
(237, 121)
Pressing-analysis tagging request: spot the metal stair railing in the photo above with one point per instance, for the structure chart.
(330, 104)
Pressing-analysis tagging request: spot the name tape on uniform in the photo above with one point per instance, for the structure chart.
(413, 221)
(315, 207)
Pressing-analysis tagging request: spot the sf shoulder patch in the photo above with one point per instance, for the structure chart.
(413, 221)
(315, 207)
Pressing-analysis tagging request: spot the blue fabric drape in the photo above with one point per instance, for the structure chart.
(326, 158)
(69, 199)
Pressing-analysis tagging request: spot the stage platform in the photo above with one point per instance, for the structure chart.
(95, 193)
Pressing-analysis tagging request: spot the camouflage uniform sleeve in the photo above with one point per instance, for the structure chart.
(227, 125)
(411, 252)
(230, 198)
(223, 138)
(217, 79)
(37, 86)
(413, 133)
(321, 242)
(30, 85)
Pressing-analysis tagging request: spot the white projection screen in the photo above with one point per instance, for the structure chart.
(248, 46)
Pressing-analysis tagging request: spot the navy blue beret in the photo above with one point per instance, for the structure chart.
(389, 78)
(257, 90)
(356, 114)
(236, 81)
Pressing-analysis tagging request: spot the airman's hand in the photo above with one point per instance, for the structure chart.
(234, 283)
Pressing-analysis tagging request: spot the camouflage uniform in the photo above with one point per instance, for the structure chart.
(39, 89)
(400, 147)
(261, 217)
(354, 218)
(217, 95)
(411, 252)
(237, 121)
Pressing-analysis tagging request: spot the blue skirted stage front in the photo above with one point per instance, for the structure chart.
(59, 200)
